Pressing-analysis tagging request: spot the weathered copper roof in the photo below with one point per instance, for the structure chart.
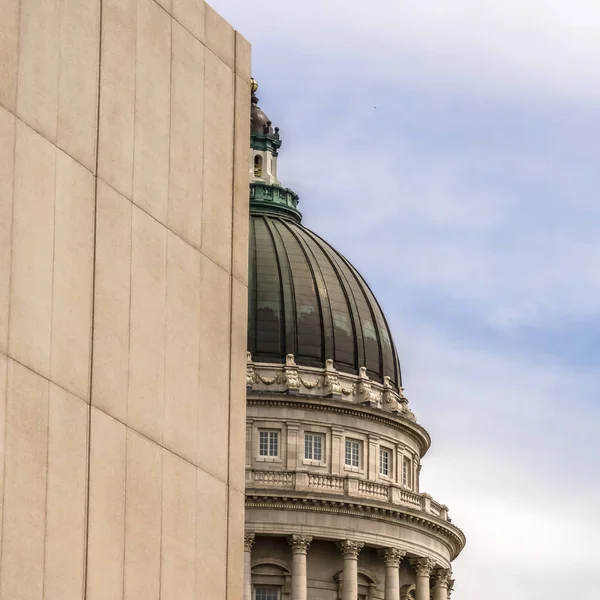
(306, 299)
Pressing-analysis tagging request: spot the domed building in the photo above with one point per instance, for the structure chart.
(333, 451)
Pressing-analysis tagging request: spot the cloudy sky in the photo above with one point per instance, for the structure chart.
(451, 150)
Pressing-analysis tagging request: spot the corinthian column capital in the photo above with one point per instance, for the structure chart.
(392, 556)
(450, 587)
(350, 548)
(441, 577)
(423, 566)
(299, 543)
(248, 542)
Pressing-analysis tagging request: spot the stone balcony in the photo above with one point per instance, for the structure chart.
(347, 486)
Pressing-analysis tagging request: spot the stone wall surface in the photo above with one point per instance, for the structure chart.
(124, 145)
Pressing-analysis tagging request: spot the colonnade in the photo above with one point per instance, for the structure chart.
(431, 582)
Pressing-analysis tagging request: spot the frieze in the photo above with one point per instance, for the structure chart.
(320, 404)
(327, 382)
(452, 536)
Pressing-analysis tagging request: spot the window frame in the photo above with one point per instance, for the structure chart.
(360, 458)
(310, 460)
(406, 472)
(270, 432)
(384, 450)
(256, 587)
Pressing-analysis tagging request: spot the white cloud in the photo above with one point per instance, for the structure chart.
(549, 43)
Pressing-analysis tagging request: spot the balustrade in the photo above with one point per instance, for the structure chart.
(350, 486)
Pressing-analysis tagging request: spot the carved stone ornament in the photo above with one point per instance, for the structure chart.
(392, 556)
(299, 543)
(248, 541)
(423, 566)
(350, 548)
(326, 382)
(291, 378)
(249, 371)
(370, 397)
(389, 396)
(441, 577)
(450, 587)
(331, 380)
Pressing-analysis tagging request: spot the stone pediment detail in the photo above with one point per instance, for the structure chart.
(293, 379)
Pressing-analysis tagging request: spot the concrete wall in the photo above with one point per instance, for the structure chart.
(124, 141)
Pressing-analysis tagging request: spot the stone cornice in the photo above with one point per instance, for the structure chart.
(452, 537)
(329, 405)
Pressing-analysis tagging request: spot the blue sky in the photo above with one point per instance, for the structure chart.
(451, 150)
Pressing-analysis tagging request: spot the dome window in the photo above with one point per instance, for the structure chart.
(258, 166)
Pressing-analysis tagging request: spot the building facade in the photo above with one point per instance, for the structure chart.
(124, 142)
(334, 509)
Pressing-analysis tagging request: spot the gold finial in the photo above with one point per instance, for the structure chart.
(253, 84)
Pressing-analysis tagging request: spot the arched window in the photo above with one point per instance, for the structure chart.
(271, 580)
(258, 166)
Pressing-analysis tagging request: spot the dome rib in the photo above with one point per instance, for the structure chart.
(308, 300)
(321, 294)
(287, 289)
(351, 306)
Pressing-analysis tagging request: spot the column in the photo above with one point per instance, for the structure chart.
(441, 579)
(423, 568)
(350, 551)
(392, 558)
(299, 545)
(248, 543)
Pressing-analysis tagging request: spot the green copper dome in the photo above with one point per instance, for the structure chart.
(305, 298)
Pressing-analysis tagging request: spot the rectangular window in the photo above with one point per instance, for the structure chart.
(384, 462)
(313, 447)
(353, 453)
(266, 592)
(268, 443)
(406, 467)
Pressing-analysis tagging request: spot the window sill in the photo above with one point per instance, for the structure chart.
(314, 463)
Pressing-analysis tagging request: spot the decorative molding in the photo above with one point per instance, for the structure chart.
(327, 382)
(302, 401)
(249, 539)
(350, 548)
(422, 566)
(392, 556)
(299, 543)
(452, 537)
(450, 587)
(441, 577)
